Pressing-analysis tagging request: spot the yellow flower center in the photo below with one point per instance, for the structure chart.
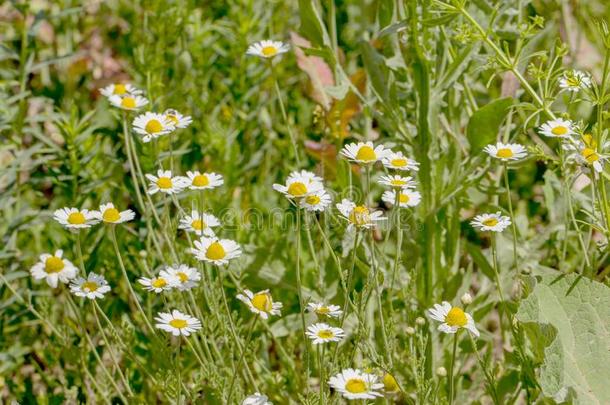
(269, 51)
(326, 334)
(178, 323)
(456, 317)
(490, 222)
(198, 224)
(201, 180)
(90, 286)
(573, 82)
(559, 130)
(590, 155)
(355, 386)
(397, 182)
(360, 215)
(128, 102)
(262, 302)
(164, 182)
(158, 283)
(366, 154)
(323, 311)
(589, 141)
(111, 215)
(120, 89)
(398, 162)
(312, 200)
(76, 218)
(389, 383)
(153, 126)
(215, 251)
(403, 198)
(53, 265)
(504, 153)
(297, 189)
(183, 277)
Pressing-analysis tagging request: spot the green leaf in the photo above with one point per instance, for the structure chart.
(376, 70)
(485, 123)
(311, 24)
(578, 359)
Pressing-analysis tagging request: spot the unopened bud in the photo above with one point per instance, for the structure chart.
(441, 372)
(410, 330)
(466, 299)
(420, 321)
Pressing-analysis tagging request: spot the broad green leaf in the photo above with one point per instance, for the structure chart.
(578, 359)
(376, 70)
(312, 27)
(485, 123)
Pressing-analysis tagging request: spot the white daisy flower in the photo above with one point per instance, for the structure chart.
(491, 222)
(178, 120)
(300, 184)
(109, 214)
(356, 384)
(364, 152)
(75, 218)
(260, 303)
(558, 128)
(256, 399)
(267, 48)
(152, 125)
(584, 152)
(407, 198)
(182, 276)
(131, 102)
(397, 181)
(54, 268)
(575, 81)
(120, 89)
(398, 161)
(506, 151)
(317, 200)
(452, 318)
(95, 286)
(323, 333)
(323, 310)
(358, 215)
(164, 182)
(200, 224)
(177, 323)
(156, 284)
(216, 251)
(203, 181)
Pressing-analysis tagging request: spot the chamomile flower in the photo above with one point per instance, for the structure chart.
(323, 333)
(300, 184)
(120, 89)
(74, 218)
(110, 215)
(164, 182)
(131, 102)
(203, 181)
(177, 323)
(365, 152)
(54, 268)
(558, 128)
(398, 161)
(585, 152)
(323, 310)
(178, 120)
(506, 151)
(452, 318)
(267, 49)
(406, 198)
(216, 251)
(256, 399)
(156, 284)
(94, 286)
(316, 201)
(575, 81)
(182, 276)
(397, 181)
(358, 215)
(491, 222)
(200, 224)
(356, 384)
(152, 125)
(260, 303)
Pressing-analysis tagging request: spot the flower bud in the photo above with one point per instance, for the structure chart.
(466, 299)
(420, 321)
(441, 372)
(410, 330)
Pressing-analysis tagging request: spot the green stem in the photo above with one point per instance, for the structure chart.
(79, 251)
(300, 288)
(278, 93)
(513, 220)
(451, 367)
(241, 356)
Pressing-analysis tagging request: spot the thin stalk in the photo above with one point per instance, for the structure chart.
(179, 368)
(321, 365)
(241, 356)
(512, 216)
(398, 239)
(79, 252)
(300, 288)
(451, 367)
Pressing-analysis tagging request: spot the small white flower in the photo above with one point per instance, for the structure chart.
(398, 161)
(300, 184)
(130, 102)
(177, 323)
(585, 152)
(120, 89)
(202, 181)
(95, 286)
(575, 81)
(407, 198)
(177, 119)
(397, 181)
(200, 224)
(356, 384)
(182, 276)
(267, 48)
(109, 214)
(558, 128)
(156, 284)
(452, 318)
(358, 215)
(256, 399)
(53, 268)
(365, 152)
(260, 303)
(506, 151)
(216, 251)
(466, 299)
(152, 125)
(322, 333)
(164, 182)
(75, 218)
(491, 222)
(323, 310)
(316, 201)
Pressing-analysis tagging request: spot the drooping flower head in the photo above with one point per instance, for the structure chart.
(452, 318)
(260, 303)
(53, 268)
